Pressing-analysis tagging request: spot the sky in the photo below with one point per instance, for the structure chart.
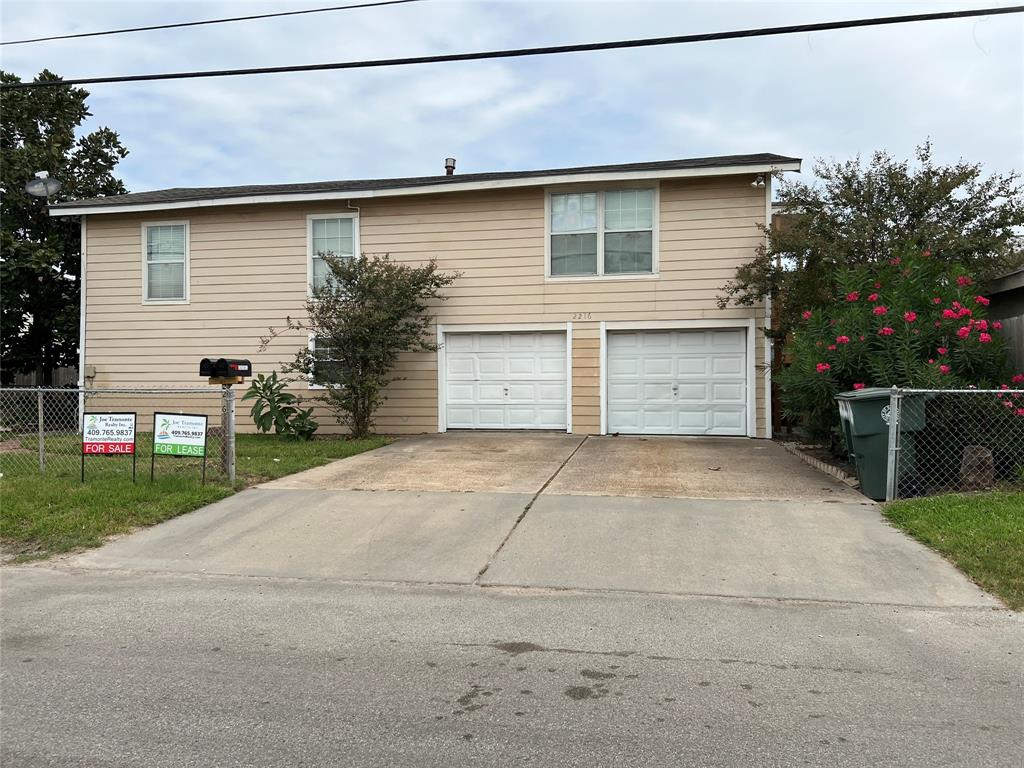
(825, 95)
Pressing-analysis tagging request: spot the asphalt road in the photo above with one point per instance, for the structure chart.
(104, 668)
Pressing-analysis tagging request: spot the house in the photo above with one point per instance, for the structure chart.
(1007, 297)
(587, 302)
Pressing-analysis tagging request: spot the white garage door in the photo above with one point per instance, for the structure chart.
(505, 380)
(677, 382)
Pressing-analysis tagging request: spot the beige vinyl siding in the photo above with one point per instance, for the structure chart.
(248, 272)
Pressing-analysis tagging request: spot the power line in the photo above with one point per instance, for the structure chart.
(520, 52)
(206, 21)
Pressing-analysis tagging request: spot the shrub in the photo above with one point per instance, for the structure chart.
(913, 321)
(278, 409)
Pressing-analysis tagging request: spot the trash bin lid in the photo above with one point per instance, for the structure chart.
(868, 393)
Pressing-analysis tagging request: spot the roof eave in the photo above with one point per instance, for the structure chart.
(430, 189)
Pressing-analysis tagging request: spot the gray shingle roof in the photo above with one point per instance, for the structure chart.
(186, 194)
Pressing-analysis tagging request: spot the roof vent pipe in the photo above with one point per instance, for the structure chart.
(449, 166)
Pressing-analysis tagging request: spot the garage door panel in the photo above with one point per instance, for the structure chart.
(727, 366)
(461, 392)
(728, 393)
(692, 366)
(506, 380)
(655, 366)
(692, 392)
(677, 382)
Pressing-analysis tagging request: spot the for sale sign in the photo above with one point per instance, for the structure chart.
(108, 433)
(179, 434)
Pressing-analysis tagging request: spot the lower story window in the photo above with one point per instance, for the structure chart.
(326, 362)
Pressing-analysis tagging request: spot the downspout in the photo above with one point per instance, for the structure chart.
(768, 343)
(81, 326)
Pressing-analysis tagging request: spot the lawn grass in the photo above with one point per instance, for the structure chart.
(982, 534)
(42, 515)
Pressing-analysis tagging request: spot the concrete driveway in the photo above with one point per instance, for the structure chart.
(723, 517)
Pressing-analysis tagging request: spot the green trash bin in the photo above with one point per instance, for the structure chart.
(864, 414)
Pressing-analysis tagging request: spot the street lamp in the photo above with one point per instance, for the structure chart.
(42, 185)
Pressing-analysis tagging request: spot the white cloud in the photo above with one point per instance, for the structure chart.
(832, 94)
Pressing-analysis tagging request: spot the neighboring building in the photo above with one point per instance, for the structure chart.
(587, 302)
(1007, 295)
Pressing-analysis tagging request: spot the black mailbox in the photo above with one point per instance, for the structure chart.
(224, 368)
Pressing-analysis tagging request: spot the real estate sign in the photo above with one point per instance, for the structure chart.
(179, 434)
(108, 433)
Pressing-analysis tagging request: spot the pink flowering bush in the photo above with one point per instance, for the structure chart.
(943, 341)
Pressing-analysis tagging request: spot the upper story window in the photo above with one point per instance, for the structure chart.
(609, 232)
(165, 267)
(331, 235)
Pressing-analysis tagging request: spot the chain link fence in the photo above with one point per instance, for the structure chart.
(954, 441)
(41, 432)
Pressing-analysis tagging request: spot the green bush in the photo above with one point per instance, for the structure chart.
(278, 409)
(914, 321)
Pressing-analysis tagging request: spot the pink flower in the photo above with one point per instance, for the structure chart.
(877, 286)
(926, 254)
(807, 314)
(963, 280)
(964, 331)
(880, 310)
(1020, 411)
(964, 312)
(831, 347)
(842, 339)
(936, 300)
(1004, 386)
(931, 361)
(910, 316)
(862, 338)
(945, 369)
(1007, 403)
(957, 305)
(996, 325)
(895, 262)
(1018, 378)
(981, 324)
(858, 385)
(887, 331)
(942, 350)
(981, 300)
(949, 314)
(984, 338)
(823, 367)
(873, 297)
(852, 296)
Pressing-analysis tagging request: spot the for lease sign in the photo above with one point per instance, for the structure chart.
(179, 434)
(108, 433)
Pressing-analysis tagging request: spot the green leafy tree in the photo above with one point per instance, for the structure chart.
(40, 257)
(369, 311)
(860, 214)
(911, 321)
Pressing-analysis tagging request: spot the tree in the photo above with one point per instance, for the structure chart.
(861, 215)
(40, 257)
(912, 321)
(369, 311)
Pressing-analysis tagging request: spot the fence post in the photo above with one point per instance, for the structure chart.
(892, 464)
(42, 431)
(228, 421)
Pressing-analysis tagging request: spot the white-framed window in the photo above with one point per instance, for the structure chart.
(602, 233)
(165, 262)
(323, 359)
(332, 234)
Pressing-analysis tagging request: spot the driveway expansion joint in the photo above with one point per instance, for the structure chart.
(529, 504)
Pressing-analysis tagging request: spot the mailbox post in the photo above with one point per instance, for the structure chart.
(226, 372)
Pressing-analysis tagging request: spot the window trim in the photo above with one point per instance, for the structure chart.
(310, 218)
(600, 191)
(145, 263)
